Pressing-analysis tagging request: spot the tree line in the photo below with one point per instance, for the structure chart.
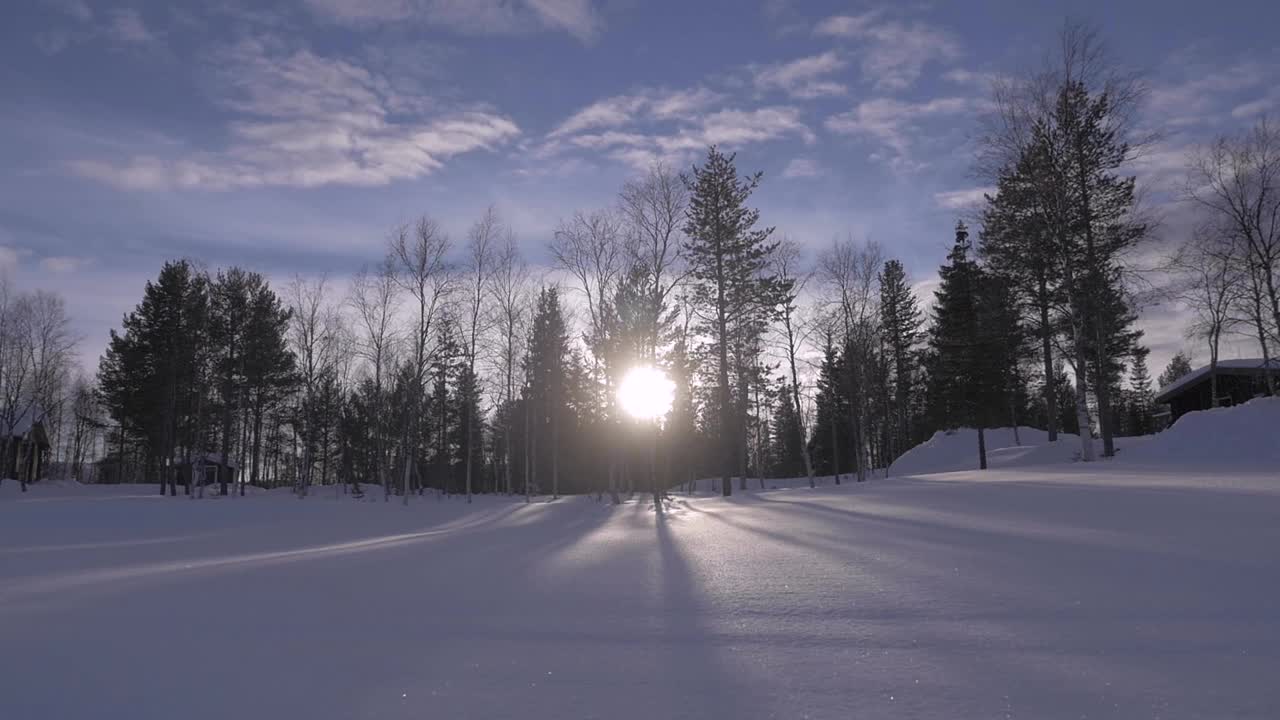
(452, 367)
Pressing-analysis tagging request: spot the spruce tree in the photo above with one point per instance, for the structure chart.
(1178, 366)
(972, 345)
(1140, 399)
(832, 418)
(900, 322)
(728, 282)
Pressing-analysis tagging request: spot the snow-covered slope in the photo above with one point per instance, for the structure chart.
(955, 450)
(1245, 436)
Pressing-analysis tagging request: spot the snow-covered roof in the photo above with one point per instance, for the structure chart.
(1194, 376)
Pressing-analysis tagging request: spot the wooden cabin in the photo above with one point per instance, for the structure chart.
(27, 446)
(1239, 380)
(210, 469)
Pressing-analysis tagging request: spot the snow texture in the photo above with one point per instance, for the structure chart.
(1247, 435)
(1100, 590)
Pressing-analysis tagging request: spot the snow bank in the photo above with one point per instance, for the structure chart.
(1242, 437)
(955, 450)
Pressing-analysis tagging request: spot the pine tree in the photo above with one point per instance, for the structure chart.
(149, 375)
(972, 343)
(1178, 366)
(729, 285)
(900, 323)
(1140, 399)
(787, 437)
(831, 422)
(1020, 247)
(546, 366)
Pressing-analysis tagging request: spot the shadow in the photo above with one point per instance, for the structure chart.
(695, 657)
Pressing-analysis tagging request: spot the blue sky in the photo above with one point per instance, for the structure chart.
(290, 137)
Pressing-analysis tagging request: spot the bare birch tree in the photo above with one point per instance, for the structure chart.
(1238, 180)
(1208, 281)
(847, 272)
(589, 247)
(479, 267)
(789, 270)
(374, 299)
(422, 270)
(509, 293)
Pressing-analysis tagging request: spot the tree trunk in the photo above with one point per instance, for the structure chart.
(982, 448)
(835, 447)
(1046, 349)
(1082, 414)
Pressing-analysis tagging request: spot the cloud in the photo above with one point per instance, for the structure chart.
(893, 52)
(682, 103)
(63, 264)
(127, 26)
(802, 168)
(1206, 92)
(305, 120)
(76, 9)
(649, 104)
(979, 80)
(647, 126)
(1254, 108)
(893, 122)
(610, 112)
(802, 78)
(9, 258)
(472, 17)
(963, 199)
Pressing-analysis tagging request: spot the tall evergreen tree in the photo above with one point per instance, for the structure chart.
(148, 375)
(970, 345)
(832, 417)
(729, 285)
(1140, 399)
(547, 363)
(900, 323)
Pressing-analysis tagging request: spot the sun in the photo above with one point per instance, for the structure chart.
(646, 393)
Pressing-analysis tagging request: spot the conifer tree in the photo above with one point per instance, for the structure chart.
(729, 285)
(1178, 366)
(971, 348)
(900, 323)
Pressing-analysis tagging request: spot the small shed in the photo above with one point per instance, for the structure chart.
(207, 469)
(1239, 380)
(26, 445)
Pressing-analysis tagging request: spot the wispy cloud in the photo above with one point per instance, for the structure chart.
(640, 128)
(475, 17)
(1208, 93)
(76, 9)
(894, 52)
(966, 199)
(63, 264)
(804, 78)
(893, 123)
(303, 119)
(642, 105)
(127, 26)
(802, 168)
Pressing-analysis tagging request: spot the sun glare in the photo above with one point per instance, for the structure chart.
(646, 393)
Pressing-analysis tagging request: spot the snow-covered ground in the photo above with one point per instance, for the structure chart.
(953, 450)
(1105, 590)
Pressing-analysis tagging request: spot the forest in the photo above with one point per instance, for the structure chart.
(453, 366)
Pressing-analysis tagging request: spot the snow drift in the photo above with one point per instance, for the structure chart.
(955, 450)
(1244, 436)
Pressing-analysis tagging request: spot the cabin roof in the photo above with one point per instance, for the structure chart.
(1236, 366)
